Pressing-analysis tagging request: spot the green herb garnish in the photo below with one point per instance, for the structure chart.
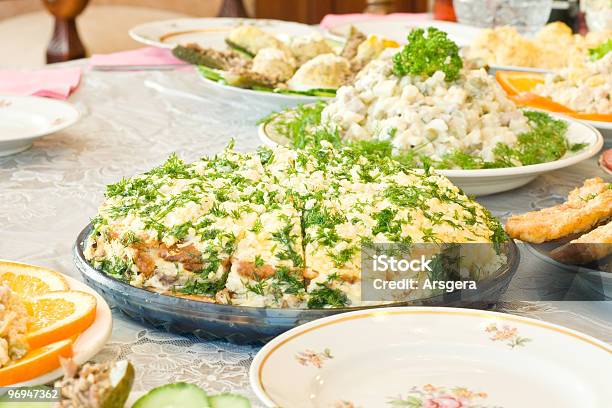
(545, 142)
(426, 53)
(601, 50)
(201, 287)
(325, 295)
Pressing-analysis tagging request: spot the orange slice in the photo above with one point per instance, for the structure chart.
(517, 82)
(36, 362)
(540, 102)
(59, 315)
(600, 117)
(28, 280)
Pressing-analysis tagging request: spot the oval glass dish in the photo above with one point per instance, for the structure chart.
(243, 324)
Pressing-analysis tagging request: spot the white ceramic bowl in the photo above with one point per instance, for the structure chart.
(432, 357)
(605, 128)
(490, 181)
(24, 119)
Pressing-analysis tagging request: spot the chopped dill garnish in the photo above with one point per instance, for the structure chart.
(546, 141)
(324, 295)
(201, 287)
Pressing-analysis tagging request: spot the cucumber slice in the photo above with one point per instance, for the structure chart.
(177, 395)
(122, 378)
(228, 401)
(239, 48)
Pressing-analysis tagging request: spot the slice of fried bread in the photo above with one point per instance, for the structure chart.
(586, 207)
(590, 247)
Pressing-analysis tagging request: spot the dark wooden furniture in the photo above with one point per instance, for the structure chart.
(65, 44)
(312, 11)
(232, 8)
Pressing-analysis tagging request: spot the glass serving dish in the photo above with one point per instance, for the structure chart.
(528, 16)
(242, 324)
(595, 276)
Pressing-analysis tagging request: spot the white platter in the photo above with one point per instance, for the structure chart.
(89, 343)
(278, 100)
(492, 181)
(398, 30)
(432, 357)
(605, 128)
(494, 68)
(24, 119)
(208, 32)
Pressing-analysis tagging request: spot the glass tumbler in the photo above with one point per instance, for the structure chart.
(528, 16)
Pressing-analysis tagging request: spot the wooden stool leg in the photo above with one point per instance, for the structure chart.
(65, 44)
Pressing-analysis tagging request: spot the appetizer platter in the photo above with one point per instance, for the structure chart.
(245, 246)
(209, 32)
(46, 316)
(423, 107)
(396, 30)
(24, 119)
(554, 47)
(403, 357)
(582, 91)
(575, 235)
(300, 69)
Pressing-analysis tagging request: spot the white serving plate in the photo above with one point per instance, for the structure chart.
(432, 357)
(398, 30)
(89, 343)
(209, 32)
(494, 68)
(278, 100)
(491, 181)
(24, 119)
(605, 128)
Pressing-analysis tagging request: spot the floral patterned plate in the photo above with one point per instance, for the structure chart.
(420, 357)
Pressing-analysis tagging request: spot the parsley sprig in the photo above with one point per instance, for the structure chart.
(426, 53)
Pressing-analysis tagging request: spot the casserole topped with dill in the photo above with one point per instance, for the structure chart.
(277, 227)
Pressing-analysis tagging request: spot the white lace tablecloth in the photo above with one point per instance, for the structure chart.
(133, 121)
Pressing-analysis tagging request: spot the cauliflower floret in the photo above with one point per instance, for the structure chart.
(273, 63)
(372, 48)
(327, 71)
(253, 39)
(305, 48)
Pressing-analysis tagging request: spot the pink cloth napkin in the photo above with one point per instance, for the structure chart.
(333, 20)
(141, 56)
(56, 83)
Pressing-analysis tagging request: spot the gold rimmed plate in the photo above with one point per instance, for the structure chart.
(432, 357)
